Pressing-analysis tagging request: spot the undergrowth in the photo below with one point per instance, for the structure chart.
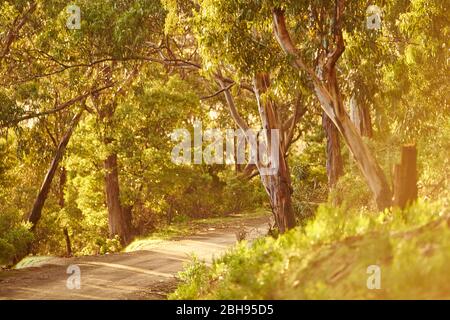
(329, 259)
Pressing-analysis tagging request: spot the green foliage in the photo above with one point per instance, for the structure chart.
(327, 259)
(238, 196)
(109, 245)
(15, 237)
(8, 109)
(309, 177)
(352, 190)
(157, 191)
(196, 273)
(399, 73)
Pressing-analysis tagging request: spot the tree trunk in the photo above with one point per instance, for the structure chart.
(360, 117)
(331, 102)
(238, 167)
(277, 185)
(334, 164)
(68, 244)
(62, 183)
(36, 212)
(405, 177)
(366, 162)
(279, 190)
(119, 222)
(119, 218)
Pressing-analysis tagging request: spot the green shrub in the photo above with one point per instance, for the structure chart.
(309, 178)
(328, 258)
(238, 196)
(109, 245)
(15, 237)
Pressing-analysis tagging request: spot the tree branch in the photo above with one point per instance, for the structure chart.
(334, 56)
(232, 106)
(289, 126)
(286, 43)
(62, 106)
(218, 92)
(13, 32)
(36, 211)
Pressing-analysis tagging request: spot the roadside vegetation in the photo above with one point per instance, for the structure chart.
(329, 258)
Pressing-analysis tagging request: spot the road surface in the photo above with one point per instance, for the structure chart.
(149, 273)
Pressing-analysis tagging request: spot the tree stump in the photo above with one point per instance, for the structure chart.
(405, 177)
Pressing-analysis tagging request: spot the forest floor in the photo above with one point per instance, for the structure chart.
(148, 272)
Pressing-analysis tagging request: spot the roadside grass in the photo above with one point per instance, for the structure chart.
(32, 261)
(329, 259)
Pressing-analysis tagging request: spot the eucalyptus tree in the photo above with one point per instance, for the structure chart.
(96, 61)
(331, 25)
(243, 60)
(109, 46)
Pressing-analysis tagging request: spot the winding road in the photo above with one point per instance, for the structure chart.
(149, 273)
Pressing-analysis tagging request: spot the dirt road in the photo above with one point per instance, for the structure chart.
(145, 274)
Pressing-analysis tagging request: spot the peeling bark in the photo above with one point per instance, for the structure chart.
(278, 185)
(327, 91)
(334, 165)
(360, 117)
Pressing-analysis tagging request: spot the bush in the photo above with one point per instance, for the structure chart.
(15, 237)
(329, 256)
(238, 196)
(109, 245)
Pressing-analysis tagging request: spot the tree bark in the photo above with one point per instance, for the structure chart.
(119, 217)
(36, 211)
(334, 164)
(360, 116)
(277, 185)
(279, 189)
(68, 243)
(119, 221)
(62, 183)
(327, 90)
(14, 30)
(405, 177)
(368, 165)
